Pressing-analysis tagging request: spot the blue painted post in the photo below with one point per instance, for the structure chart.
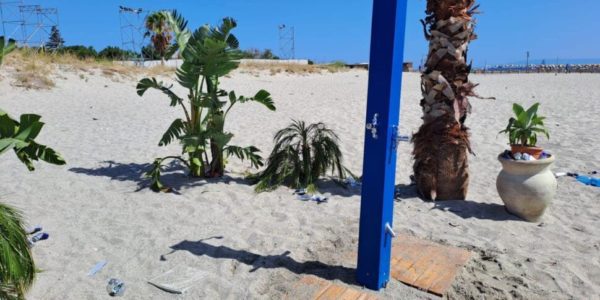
(379, 163)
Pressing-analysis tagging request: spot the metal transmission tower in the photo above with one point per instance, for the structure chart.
(11, 19)
(37, 24)
(29, 25)
(287, 42)
(131, 21)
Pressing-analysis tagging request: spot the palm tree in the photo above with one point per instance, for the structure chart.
(17, 268)
(301, 155)
(441, 145)
(159, 31)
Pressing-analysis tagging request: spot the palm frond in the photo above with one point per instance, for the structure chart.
(301, 155)
(250, 153)
(17, 268)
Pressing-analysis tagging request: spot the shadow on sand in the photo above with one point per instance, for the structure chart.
(173, 175)
(465, 209)
(258, 261)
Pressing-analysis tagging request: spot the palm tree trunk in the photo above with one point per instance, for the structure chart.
(441, 145)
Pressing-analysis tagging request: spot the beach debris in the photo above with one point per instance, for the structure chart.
(301, 194)
(38, 237)
(115, 287)
(318, 198)
(178, 279)
(453, 224)
(587, 180)
(97, 268)
(34, 229)
(352, 182)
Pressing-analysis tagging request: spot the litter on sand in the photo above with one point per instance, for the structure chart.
(38, 237)
(587, 180)
(178, 279)
(97, 268)
(115, 287)
(34, 229)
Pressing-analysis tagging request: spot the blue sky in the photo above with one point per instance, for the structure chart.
(329, 30)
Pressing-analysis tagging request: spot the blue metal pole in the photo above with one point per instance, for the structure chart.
(379, 163)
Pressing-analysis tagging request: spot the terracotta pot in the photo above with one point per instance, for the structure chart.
(526, 187)
(533, 151)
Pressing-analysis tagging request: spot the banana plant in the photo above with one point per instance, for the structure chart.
(208, 54)
(6, 48)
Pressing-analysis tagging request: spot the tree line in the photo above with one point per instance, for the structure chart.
(155, 50)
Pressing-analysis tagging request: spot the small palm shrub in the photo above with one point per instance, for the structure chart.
(17, 268)
(301, 155)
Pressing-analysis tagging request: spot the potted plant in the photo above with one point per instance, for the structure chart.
(526, 183)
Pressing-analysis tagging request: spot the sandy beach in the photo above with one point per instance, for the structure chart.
(244, 245)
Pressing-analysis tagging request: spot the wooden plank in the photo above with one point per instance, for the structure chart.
(426, 265)
(313, 287)
(333, 292)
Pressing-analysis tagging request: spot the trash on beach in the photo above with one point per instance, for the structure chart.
(178, 279)
(352, 182)
(319, 198)
(38, 237)
(587, 180)
(34, 229)
(301, 194)
(115, 287)
(97, 268)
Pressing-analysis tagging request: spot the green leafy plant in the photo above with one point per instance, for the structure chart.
(17, 268)
(300, 156)
(208, 54)
(523, 128)
(6, 48)
(20, 137)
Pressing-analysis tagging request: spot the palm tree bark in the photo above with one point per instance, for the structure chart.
(441, 146)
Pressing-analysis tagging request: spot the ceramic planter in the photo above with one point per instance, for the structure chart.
(526, 187)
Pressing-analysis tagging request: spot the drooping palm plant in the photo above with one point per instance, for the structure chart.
(159, 31)
(301, 155)
(17, 268)
(441, 145)
(208, 54)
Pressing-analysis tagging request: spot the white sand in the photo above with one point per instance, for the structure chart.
(93, 210)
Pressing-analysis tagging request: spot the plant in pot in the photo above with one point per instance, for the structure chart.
(526, 183)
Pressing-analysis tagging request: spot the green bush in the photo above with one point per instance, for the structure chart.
(116, 53)
(80, 51)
